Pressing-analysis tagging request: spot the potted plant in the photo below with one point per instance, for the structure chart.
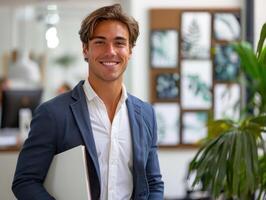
(232, 162)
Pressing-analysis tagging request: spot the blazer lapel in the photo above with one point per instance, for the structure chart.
(136, 125)
(81, 114)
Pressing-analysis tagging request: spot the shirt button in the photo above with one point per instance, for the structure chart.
(113, 162)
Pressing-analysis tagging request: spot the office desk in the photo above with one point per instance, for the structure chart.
(10, 140)
(10, 149)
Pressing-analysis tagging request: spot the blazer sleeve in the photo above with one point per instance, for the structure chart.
(35, 158)
(156, 185)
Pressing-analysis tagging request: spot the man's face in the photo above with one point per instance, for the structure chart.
(108, 52)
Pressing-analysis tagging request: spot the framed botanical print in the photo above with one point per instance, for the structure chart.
(227, 26)
(196, 35)
(196, 84)
(226, 63)
(165, 85)
(227, 101)
(168, 123)
(164, 48)
(194, 127)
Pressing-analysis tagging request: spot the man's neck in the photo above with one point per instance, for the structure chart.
(110, 93)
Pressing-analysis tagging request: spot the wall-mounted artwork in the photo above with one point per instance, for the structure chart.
(194, 127)
(196, 35)
(168, 123)
(194, 71)
(227, 101)
(227, 26)
(226, 63)
(167, 86)
(164, 48)
(196, 84)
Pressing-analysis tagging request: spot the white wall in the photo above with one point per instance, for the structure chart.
(174, 165)
(259, 18)
(173, 162)
(6, 29)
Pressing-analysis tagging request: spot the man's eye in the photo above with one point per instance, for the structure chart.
(99, 42)
(121, 43)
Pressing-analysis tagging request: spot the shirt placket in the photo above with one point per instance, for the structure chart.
(113, 160)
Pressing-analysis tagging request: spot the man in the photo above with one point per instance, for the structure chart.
(117, 129)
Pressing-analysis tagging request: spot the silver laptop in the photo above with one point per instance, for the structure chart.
(67, 178)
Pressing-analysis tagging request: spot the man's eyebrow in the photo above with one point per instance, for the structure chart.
(97, 37)
(104, 38)
(120, 38)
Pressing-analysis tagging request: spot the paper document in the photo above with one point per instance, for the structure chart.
(67, 178)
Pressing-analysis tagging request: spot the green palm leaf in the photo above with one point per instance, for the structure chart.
(228, 162)
(254, 67)
(261, 40)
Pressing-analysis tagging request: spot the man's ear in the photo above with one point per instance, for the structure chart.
(85, 50)
(130, 52)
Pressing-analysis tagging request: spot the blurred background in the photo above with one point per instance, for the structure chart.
(40, 51)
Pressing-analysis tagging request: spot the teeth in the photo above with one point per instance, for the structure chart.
(109, 63)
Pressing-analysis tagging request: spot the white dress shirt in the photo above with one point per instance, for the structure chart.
(113, 144)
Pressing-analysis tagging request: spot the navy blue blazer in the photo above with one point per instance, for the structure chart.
(63, 123)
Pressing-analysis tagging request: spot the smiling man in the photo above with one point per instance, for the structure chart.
(117, 129)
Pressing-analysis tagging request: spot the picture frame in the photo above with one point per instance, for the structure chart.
(227, 26)
(195, 35)
(168, 123)
(164, 48)
(226, 63)
(194, 126)
(227, 101)
(165, 85)
(196, 84)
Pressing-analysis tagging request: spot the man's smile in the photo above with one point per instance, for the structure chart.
(109, 63)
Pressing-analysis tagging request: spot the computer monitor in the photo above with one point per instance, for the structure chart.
(13, 101)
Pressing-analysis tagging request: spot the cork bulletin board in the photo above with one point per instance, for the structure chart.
(193, 71)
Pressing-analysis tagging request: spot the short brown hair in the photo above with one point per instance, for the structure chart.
(113, 12)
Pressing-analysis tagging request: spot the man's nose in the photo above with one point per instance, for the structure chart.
(110, 49)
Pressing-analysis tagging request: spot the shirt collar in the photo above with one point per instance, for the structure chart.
(91, 94)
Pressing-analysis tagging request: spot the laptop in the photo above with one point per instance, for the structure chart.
(67, 177)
